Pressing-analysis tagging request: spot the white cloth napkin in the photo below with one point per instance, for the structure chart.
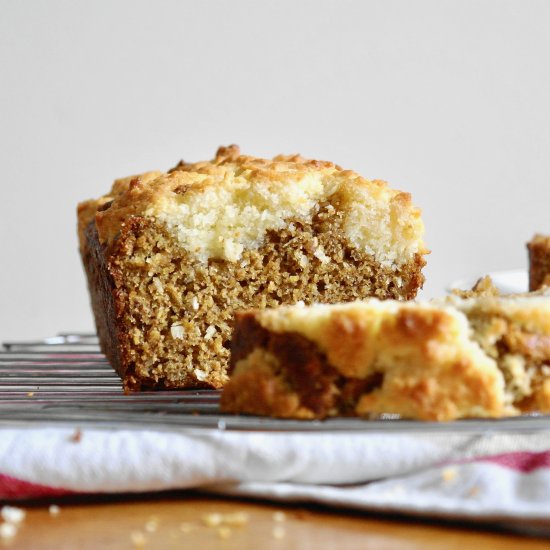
(487, 477)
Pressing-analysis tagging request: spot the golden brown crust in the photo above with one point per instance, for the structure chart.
(136, 196)
(263, 193)
(87, 210)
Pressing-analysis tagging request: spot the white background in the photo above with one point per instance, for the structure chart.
(449, 100)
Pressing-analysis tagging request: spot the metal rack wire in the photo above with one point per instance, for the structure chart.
(65, 380)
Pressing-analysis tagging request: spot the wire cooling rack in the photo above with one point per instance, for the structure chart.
(65, 380)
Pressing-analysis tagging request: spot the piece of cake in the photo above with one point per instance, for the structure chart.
(484, 356)
(539, 261)
(170, 256)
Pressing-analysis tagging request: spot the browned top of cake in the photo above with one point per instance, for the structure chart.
(219, 208)
(87, 210)
(540, 239)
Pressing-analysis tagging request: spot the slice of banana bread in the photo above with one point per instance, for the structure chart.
(170, 256)
(539, 261)
(484, 356)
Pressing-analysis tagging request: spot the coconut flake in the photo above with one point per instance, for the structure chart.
(200, 375)
(321, 256)
(210, 331)
(11, 514)
(177, 332)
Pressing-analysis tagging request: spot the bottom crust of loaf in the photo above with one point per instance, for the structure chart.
(165, 321)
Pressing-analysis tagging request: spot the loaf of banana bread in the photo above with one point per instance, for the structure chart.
(170, 256)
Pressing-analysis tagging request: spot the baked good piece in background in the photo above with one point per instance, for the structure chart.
(170, 256)
(484, 286)
(539, 261)
(477, 356)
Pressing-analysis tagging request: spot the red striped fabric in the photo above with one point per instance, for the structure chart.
(522, 461)
(13, 488)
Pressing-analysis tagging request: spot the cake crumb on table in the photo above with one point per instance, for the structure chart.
(212, 520)
(7, 531)
(54, 510)
(224, 532)
(279, 516)
(236, 519)
(151, 525)
(138, 539)
(11, 514)
(278, 532)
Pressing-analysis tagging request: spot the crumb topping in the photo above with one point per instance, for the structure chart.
(220, 208)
